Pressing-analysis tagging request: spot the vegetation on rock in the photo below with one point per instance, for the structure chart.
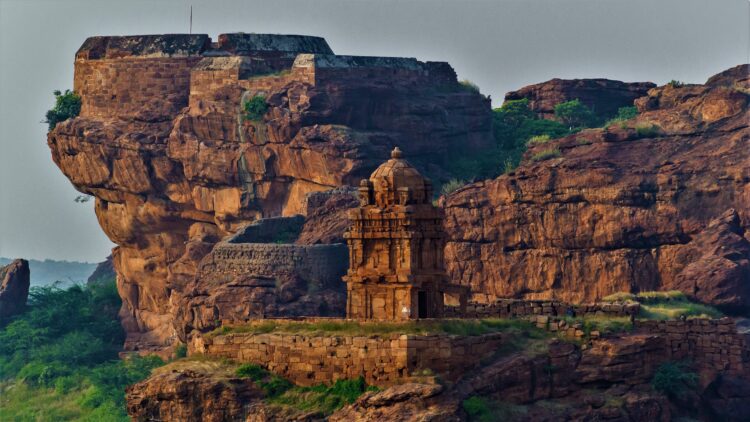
(674, 379)
(67, 105)
(671, 304)
(322, 399)
(575, 115)
(255, 108)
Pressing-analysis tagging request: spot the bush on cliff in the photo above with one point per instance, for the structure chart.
(575, 114)
(674, 379)
(65, 347)
(513, 124)
(67, 105)
(255, 108)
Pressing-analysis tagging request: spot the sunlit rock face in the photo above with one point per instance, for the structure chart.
(164, 144)
(631, 207)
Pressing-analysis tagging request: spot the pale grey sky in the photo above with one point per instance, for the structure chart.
(501, 45)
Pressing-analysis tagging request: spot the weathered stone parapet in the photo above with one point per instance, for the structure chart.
(714, 344)
(510, 308)
(309, 359)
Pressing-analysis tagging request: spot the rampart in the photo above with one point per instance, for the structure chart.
(382, 360)
(116, 75)
(514, 308)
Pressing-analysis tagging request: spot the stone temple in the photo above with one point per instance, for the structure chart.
(396, 242)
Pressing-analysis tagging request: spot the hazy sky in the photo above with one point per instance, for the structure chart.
(500, 45)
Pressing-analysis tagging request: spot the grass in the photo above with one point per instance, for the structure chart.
(482, 409)
(538, 139)
(667, 305)
(605, 325)
(464, 327)
(546, 154)
(469, 86)
(452, 186)
(646, 130)
(321, 399)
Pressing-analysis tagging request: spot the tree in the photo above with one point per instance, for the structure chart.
(574, 114)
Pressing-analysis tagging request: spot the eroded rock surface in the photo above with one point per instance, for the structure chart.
(657, 203)
(14, 287)
(603, 96)
(175, 163)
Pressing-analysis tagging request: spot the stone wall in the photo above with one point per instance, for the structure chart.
(116, 87)
(711, 343)
(382, 360)
(511, 308)
(322, 263)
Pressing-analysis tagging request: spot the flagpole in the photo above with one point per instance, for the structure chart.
(191, 19)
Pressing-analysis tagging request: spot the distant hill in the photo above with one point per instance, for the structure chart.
(48, 271)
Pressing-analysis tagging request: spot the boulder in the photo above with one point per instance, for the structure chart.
(14, 287)
(603, 96)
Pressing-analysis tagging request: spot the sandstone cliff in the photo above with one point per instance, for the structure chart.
(659, 202)
(175, 162)
(603, 96)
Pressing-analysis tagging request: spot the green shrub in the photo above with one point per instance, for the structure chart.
(645, 130)
(67, 342)
(452, 186)
(623, 114)
(478, 409)
(255, 108)
(180, 351)
(321, 398)
(538, 139)
(546, 154)
(468, 85)
(674, 379)
(67, 105)
(254, 372)
(575, 114)
(675, 83)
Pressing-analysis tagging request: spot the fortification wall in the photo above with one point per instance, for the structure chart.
(514, 308)
(113, 88)
(322, 265)
(712, 343)
(382, 360)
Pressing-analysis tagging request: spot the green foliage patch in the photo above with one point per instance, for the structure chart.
(452, 186)
(67, 105)
(255, 108)
(322, 399)
(671, 304)
(64, 347)
(576, 115)
(674, 379)
(482, 409)
(546, 154)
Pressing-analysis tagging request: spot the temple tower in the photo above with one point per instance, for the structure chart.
(396, 242)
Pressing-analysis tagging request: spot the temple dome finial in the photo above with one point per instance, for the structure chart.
(396, 153)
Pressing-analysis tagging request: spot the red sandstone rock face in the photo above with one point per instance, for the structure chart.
(603, 96)
(162, 145)
(14, 287)
(620, 209)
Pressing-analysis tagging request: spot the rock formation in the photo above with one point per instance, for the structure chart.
(14, 287)
(657, 203)
(104, 272)
(176, 162)
(603, 96)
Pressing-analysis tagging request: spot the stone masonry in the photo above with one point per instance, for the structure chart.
(396, 245)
